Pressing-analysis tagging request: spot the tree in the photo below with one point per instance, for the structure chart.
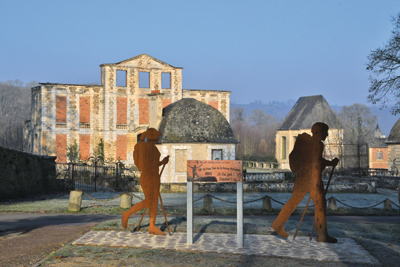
(15, 107)
(358, 122)
(384, 64)
(73, 152)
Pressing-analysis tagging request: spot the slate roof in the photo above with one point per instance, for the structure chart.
(378, 142)
(309, 110)
(394, 136)
(191, 121)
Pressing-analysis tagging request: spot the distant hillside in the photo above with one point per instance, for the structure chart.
(280, 109)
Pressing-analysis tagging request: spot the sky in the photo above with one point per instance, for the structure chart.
(258, 50)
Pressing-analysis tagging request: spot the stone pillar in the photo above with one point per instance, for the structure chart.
(208, 204)
(332, 204)
(75, 200)
(155, 109)
(388, 205)
(266, 205)
(126, 201)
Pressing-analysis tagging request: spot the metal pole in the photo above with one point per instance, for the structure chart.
(240, 215)
(116, 176)
(189, 212)
(95, 174)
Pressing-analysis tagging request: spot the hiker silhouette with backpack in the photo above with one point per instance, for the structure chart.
(307, 163)
(147, 159)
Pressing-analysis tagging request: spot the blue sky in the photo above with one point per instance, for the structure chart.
(259, 50)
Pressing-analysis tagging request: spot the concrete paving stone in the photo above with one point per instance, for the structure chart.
(346, 250)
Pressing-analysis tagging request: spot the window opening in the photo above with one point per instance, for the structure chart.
(121, 78)
(166, 80)
(216, 154)
(283, 147)
(144, 79)
(379, 155)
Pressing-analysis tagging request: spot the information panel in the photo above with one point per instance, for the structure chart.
(215, 171)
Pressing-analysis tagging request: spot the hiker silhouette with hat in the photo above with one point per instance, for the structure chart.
(146, 157)
(307, 163)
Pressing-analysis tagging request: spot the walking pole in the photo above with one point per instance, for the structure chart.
(165, 216)
(304, 212)
(137, 229)
(162, 205)
(326, 191)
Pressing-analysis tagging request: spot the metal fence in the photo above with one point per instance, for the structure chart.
(354, 159)
(113, 177)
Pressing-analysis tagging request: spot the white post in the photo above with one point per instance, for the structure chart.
(240, 215)
(189, 212)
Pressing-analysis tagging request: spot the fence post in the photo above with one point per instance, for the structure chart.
(332, 204)
(95, 175)
(388, 205)
(208, 204)
(266, 205)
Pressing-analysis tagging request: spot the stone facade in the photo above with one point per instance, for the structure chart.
(115, 111)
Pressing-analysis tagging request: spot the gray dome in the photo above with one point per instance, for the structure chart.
(394, 136)
(192, 121)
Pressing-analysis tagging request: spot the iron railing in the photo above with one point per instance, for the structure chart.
(95, 177)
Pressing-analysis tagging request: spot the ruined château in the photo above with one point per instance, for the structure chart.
(116, 111)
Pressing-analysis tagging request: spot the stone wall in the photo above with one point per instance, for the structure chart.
(23, 174)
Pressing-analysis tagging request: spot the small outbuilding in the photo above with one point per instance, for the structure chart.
(193, 130)
(378, 151)
(307, 111)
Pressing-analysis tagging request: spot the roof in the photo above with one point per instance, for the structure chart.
(137, 57)
(191, 121)
(394, 136)
(309, 110)
(378, 142)
(378, 133)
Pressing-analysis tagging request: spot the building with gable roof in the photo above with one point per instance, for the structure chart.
(378, 151)
(113, 113)
(307, 111)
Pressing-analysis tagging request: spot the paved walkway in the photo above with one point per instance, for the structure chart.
(346, 250)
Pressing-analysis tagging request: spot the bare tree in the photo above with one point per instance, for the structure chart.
(359, 123)
(15, 107)
(256, 134)
(384, 64)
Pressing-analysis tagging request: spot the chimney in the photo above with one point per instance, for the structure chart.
(155, 108)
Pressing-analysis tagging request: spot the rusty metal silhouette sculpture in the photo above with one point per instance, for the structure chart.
(146, 157)
(307, 163)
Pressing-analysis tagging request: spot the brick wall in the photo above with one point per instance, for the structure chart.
(84, 146)
(61, 147)
(376, 163)
(143, 111)
(84, 109)
(122, 104)
(121, 147)
(166, 102)
(61, 109)
(214, 104)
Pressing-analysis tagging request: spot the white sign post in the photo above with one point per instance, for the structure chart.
(220, 171)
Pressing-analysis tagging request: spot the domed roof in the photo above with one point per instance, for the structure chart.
(192, 121)
(394, 136)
